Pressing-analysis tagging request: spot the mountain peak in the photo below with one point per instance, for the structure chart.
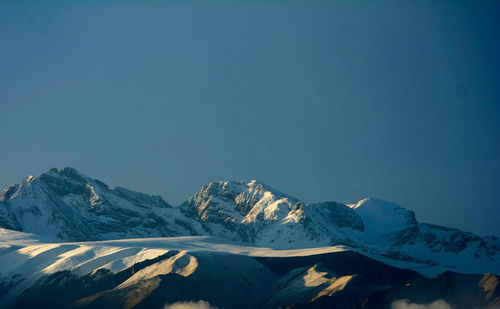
(230, 189)
(381, 217)
(255, 182)
(68, 172)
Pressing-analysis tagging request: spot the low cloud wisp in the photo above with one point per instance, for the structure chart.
(190, 305)
(405, 304)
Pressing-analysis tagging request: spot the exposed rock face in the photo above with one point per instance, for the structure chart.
(338, 213)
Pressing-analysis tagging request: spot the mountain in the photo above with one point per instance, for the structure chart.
(253, 212)
(73, 207)
(68, 205)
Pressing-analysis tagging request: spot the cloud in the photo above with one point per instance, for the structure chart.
(405, 304)
(190, 305)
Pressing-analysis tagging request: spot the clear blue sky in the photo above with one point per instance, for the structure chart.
(326, 101)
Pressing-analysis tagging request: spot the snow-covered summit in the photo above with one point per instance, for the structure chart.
(247, 201)
(381, 217)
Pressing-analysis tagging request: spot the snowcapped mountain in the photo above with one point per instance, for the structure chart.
(253, 212)
(68, 205)
(73, 207)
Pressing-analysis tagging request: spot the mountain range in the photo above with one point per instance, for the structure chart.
(65, 206)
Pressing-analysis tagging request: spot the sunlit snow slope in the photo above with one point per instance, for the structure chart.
(39, 271)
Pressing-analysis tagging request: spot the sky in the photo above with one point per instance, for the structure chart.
(322, 100)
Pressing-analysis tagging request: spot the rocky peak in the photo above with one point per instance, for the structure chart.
(67, 181)
(235, 198)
